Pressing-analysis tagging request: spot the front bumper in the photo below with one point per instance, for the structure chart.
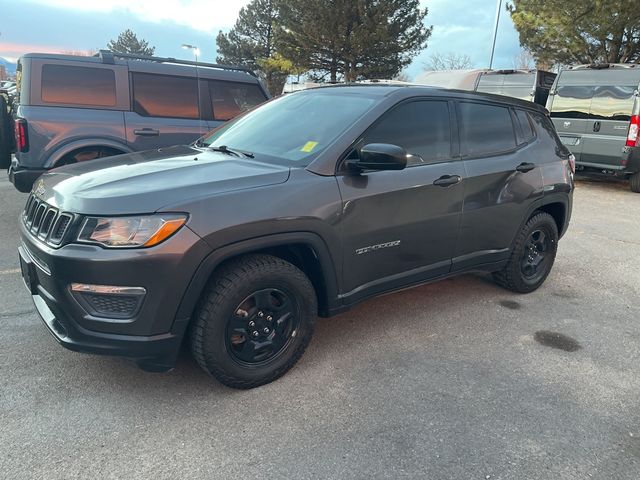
(153, 336)
(23, 178)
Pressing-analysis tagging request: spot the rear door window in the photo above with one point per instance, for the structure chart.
(229, 99)
(165, 96)
(78, 85)
(422, 128)
(485, 129)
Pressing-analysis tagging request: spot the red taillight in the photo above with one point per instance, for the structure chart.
(633, 137)
(22, 139)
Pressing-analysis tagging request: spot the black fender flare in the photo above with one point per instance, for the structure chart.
(217, 256)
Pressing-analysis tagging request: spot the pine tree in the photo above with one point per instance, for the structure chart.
(252, 43)
(127, 42)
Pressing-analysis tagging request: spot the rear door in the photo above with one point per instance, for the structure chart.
(504, 177)
(609, 117)
(164, 111)
(569, 104)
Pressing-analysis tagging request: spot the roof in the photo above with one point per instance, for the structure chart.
(412, 90)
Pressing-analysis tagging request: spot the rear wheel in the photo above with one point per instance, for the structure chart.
(532, 256)
(634, 182)
(254, 321)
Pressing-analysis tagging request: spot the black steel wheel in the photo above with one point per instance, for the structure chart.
(532, 256)
(262, 326)
(254, 321)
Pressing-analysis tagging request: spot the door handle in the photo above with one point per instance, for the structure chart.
(147, 132)
(596, 126)
(447, 180)
(525, 167)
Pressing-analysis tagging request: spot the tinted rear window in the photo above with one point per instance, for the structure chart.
(485, 129)
(612, 102)
(165, 96)
(78, 85)
(572, 101)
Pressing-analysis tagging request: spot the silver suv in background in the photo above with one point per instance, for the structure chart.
(532, 85)
(74, 108)
(595, 110)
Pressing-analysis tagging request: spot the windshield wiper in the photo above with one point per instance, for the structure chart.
(231, 151)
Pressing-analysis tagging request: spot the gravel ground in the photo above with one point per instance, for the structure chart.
(445, 381)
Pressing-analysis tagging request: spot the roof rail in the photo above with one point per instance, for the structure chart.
(107, 56)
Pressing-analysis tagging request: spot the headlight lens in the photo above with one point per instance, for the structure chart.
(123, 232)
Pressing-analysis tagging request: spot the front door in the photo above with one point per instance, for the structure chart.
(400, 227)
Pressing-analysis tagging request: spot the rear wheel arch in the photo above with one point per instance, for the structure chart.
(557, 210)
(64, 153)
(87, 153)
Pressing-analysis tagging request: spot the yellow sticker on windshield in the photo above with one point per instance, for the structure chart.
(307, 147)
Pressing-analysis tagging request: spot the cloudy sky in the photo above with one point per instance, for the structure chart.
(460, 26)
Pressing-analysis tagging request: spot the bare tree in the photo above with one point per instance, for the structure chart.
(524, 60)
(403, 76)
(448, 61)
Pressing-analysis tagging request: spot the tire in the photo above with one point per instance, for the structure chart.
(634, 182)
(6, 135)
(532, 256)
(246, 305)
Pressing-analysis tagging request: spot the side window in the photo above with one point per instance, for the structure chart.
(164, 96)
(485, 129)
(422, 128)
(526, 133)
(78, 85)
(229, 99)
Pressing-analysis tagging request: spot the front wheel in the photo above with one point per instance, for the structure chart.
(532, 256)
(254, 321)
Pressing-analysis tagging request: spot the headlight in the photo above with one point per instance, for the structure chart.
(142, 231)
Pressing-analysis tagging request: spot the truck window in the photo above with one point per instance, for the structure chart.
(165, 96)
(78, 85)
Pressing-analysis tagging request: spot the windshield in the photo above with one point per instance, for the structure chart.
(294, 128)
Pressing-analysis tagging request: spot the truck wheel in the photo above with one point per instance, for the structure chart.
(532, 256)
(254, 321)
(6, 135)
(634, 182)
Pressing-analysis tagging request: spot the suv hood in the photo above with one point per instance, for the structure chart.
(146, 182)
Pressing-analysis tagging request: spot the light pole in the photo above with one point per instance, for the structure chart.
(495, 33)
(196, 52)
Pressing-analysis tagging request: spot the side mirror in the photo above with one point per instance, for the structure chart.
(379, 156)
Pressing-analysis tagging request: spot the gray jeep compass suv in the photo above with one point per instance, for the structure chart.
(304, 206)
(72, 109)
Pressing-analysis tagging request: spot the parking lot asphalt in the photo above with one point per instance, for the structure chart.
(444, 381)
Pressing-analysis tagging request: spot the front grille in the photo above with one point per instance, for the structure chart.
(44, 221)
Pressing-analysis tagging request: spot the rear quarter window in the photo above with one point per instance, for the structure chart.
(526, 133)
(65, 84)
(485, 129)
(229, 99)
